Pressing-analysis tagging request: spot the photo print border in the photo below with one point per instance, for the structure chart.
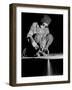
(15, 68)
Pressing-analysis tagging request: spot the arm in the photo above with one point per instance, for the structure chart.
(43, 39)
(49, 40)
(32, 31)
(46, 32)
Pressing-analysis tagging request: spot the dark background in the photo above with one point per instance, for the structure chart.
(56, 29)
(39, 67)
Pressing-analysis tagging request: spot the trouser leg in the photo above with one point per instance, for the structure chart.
(49, 40)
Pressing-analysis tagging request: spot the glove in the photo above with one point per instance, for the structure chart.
(35, 45)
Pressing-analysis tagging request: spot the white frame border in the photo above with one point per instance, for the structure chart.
(63, 77)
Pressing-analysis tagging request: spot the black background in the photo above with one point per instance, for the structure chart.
(56, 29)
(39, 67)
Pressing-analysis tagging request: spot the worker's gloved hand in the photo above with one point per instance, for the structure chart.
(34, 44)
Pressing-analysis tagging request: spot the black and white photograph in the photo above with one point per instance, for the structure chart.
(42, 35)
(40, 45)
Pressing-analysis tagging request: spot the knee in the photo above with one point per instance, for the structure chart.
(50, 38)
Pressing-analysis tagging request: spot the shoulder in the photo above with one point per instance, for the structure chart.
(34, 24)
(34, 27)
(47, 30)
